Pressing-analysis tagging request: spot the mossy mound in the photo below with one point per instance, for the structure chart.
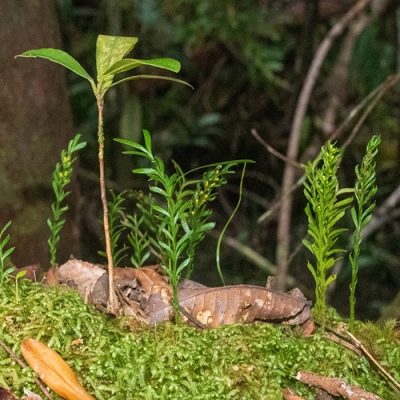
(119, 359)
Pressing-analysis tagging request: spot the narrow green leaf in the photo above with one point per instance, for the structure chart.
(4, 228)
(9, 270)
(183, 265)
(158, 190)
(183, 241)
(165, 78)
(312, 270)
(147, 140)
(129, 63)
(206, 227)
(161, 210)
(8, 252)
(146, 171)
(59, 57)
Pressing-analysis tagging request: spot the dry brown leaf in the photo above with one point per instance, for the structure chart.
(53, 370)
(234, 304)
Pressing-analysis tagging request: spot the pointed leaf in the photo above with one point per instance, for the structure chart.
(4, 228)
(165, 78)
(109, 50)
(146, 171)
(8, 252)
(147, 140)
(59, 57)
(9, 271)
(161, 210)
(158, 190)
(206, 227)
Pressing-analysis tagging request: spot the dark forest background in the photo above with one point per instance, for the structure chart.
(247, 61)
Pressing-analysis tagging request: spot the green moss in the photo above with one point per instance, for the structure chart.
(119, 359)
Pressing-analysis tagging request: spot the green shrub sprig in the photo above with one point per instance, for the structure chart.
(61, 177)
(324, 210)
(181, 218)
(364, 190)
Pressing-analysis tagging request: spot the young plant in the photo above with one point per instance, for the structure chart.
(116, 228)
(324, 210)
(110, 61)
(139, 241)
(61, 177)
(364, 190)
(5, 254)
(17, 277)
(182, 217)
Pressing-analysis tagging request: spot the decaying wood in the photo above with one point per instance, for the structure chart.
(147, 295)
(335, 386)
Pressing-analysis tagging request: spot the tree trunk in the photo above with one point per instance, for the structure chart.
(35, 125)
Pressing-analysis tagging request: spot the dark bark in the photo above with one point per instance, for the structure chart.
(35, 125)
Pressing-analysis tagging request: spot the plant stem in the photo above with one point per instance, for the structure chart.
(100, 133)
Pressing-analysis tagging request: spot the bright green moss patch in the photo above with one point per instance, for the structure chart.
(177, 362)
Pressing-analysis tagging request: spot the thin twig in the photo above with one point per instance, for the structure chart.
(284, 222)
(23, 365)
(368, 111)
(359, 345)
(276, 153)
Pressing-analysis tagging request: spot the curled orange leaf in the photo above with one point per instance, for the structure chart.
(53, 370)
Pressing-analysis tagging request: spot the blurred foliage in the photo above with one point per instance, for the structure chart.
(247, 61)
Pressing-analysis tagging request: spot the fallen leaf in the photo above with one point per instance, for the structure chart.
(53, 370)
(234, 304)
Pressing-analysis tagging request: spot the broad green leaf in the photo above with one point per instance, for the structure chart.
(130, 63)
(109, 50)
(59, 57)
(21, 274)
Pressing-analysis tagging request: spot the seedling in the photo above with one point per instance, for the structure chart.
(61, 177)
(17, 277)
(110, 61)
